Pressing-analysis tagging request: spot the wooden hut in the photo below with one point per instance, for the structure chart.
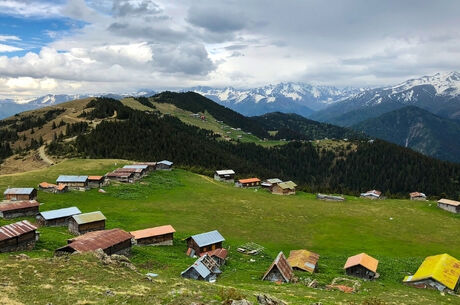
(303, 260)
(96, 181)
(157, 236)
(204, 269)
(24, 208)
(279, 270)
(115, 241)
(204, 242)
(250, 182)
(373, 194)
(73, 182)
(225, 175)
(142, 168)
(164, 165)
(57, 218)
(284, 188)
(87, 222)
(440, 272)
(362, 265)
(137, 172)
(22, 193)
(150, 165)
(19, 236)
(127, 177)
(417, 196)
(269, 183)
(449, 205)
(218, 255)
(53, 188)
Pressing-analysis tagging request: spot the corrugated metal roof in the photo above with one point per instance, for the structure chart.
(65, 212)
(19, 191)
(220, 253)
(166, 162)
(249, 180)
(208, 238)
(449, 202)
(17, 205)
(225, 172)
(417, 194)
(364, 260)
(373, 193)
(287, 185)
(303, 259)
(88, 217)
(150, 232)
(16, 229)
(274, 180)
(283, 266)
(442, 268)
(67, 178)
(98, 240)
(137, 166)
(95, 178)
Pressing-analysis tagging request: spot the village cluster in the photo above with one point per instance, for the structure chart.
(441, 271)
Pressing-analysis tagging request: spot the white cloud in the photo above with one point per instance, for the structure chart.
(6, 48)
(29, 8)
(9, 37)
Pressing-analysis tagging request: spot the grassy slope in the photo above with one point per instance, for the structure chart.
(193, 204)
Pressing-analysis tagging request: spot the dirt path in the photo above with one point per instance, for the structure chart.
(43, 156)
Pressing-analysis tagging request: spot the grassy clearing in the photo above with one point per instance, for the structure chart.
(399, 233)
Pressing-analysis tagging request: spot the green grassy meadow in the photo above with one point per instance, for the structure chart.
(400, 233)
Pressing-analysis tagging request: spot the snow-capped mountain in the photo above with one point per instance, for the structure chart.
(439, 94)
(299, 98)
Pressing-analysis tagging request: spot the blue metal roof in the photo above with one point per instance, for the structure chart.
(65, 178)
(137, 166)
(165, 162)
(19, 191)
(208, 238)
(65, 212)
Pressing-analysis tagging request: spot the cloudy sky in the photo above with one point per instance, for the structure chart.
(96, 46)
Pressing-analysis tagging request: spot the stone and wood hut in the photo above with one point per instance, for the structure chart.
(157, 236)
(73, 182)
(362, 265)
(373, 194)
(53, 188)
(18, 236)
(86, 222)
(204, 269)
(279, 270)
(449, 205)
(218, 255)
(143, 168)
(204, 242)
(284, 188)
(269, 183)
(225, 175)
(57, 218)
(164, 165)
(127, 177)
(24, 208)
(303, 260)
(96, 181)
(22, 193)
(250, 182)
(417, 196)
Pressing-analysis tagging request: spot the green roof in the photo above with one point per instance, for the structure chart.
(88, 217)
(287, 185)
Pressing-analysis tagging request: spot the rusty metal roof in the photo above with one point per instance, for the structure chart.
(417, 194)
(17, 205)
(120, 174)
(150, 232)
(19, 191)
(283, 266)
(442, 268)
(220, 253)
(47, 185)
(249, 180)
(449, 202)
(303, 259)
(364, 260)
(88, 217)
(98, 240)
(16, 229)
(95, 178)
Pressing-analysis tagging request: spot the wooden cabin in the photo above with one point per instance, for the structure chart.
(279, 270)
(24, 208)
(73, 182)
(417, 196)
(127, 177)
(150, 165)
(87, 222)
(203, 269)
(441, 272)
(18, 236)
(218, 255)
(362, 266)
(114, 241)
(250, 182)
(449, 205)
(225, 175)
(157, 236)
(96, 181)
(142, 169)
(373, 194)
(303, 260)
(137, 172)
(53, 188)
(22, 193)
(204, 242)
(57, 218)
(164, 165)
(269, 183)
(284, 188)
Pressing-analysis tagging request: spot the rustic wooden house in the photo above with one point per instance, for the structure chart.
(142, 168)
(284, 188)
(440, 272)
(303, 260)
(87, 222)
(269, 183)
(157, 236)
(127, 177)
(74, 182)
(22, 193)
(204, 269)
(164, 165)
(53, 188)
(417, 196)
(204, 242)
(114, 241)
(225, 175)
(373, 194)
(57, 218)
(12, 209)
(18, 236)
(150, 166)
(96, 181)
(362, 265)
(329, 197)
(218, 255)
(250, 182)
(137, 172)
(279, 270)
(449, 205)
